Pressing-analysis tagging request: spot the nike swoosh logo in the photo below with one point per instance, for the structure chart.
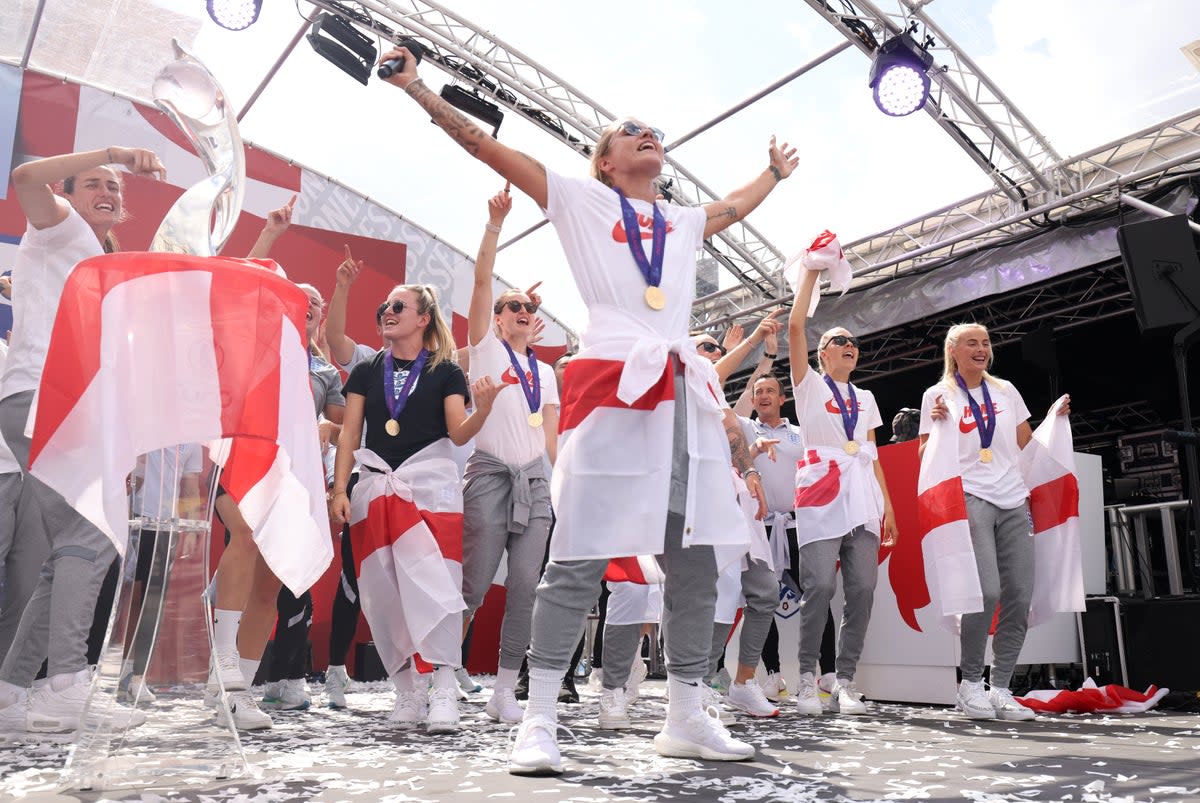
(509, 377)
(966, 424)
(832, 407)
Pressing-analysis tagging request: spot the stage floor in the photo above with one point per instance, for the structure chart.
(899, 752)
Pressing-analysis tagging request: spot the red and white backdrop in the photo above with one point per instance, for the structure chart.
(57, 116)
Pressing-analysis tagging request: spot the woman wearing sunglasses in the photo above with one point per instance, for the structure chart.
(506, 491)
(842, 503)
(643, 460)
(411, 398)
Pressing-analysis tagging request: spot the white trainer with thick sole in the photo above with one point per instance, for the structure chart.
(749, 697)
(502, 706)
(701, 735)
(535, 748)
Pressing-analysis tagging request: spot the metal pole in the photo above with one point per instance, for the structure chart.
(759, 95)
(33, 29)
(287, 51)
(522, 235)
(1151, 209)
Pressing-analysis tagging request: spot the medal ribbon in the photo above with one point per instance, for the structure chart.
(651, 268)
(531, 388)
(396, 402)
(985, 425)
(849, 417)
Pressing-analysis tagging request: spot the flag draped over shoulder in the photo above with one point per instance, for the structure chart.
(406, 527)
(1048, 465)
(151, 350)
(945, 536)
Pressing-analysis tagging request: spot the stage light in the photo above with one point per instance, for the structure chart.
(349, 49)
(900, 76)
(234, 15)
(473, 105)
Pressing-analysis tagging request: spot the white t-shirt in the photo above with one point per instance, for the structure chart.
(587, 217)
(1000, 481)
(8, 462)
(818, 416)
(162, 472)
(778, 476)
(506, 433)
(44, 259)
(361, 354)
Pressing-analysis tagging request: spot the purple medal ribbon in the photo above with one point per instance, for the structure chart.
(532, 389)
(397, 401)
(651, 268)
(985, 425)
(849, 417)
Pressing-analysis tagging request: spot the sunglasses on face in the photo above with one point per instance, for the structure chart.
(709, 347)
(516, 306)
(634, 130)
(843, 340)
(397, 307)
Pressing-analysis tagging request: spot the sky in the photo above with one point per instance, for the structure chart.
(678, 64)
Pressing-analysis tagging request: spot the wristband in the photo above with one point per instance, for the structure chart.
(770, 356)
(492, 228)
(746, 474)
(413, 83)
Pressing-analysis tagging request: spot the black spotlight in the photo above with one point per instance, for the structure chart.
(234, 15)
(341, 43)
(474, 105)
(900, 76)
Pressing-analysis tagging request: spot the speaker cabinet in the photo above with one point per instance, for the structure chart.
(1148, 641)
(1163, 271)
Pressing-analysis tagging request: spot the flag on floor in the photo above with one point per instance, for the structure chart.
(1092, 699)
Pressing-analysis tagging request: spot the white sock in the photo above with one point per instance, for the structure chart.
(506, 678)
(404, 679)
(443, 678)
(543, 693)
(225, 629)
(686, 697)
(249, 669)
(66, 680)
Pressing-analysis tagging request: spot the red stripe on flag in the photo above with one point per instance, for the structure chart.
(823, 491)
(1053, 502)
(447, 529)
(590, 383)
(940, 505)
(625, 570)
(49, 111)
(389, 517)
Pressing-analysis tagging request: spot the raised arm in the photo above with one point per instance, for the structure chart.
(33, 181)
(340, 346)
(479, 317)
(742, 201)
(527, 173)
(797, 339)
(768, 327)
(277, 223)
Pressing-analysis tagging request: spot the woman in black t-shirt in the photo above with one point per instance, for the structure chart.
(412, 399)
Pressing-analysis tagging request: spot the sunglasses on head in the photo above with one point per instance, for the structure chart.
(516, 306)
(708, 347)
(843, 340)
(634, 130)
(397, 307)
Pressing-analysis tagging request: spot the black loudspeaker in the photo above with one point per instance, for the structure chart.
(367, 664)
(1163, 271)
(1151, 641)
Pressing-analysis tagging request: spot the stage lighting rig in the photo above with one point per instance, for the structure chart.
(900, 76)
(473, 105)
(234, 15)
(345, 46)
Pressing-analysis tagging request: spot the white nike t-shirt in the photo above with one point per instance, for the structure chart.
(506, 433)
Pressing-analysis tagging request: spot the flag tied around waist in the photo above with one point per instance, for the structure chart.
(151, 350)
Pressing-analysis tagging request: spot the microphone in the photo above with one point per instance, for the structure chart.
(392, 66)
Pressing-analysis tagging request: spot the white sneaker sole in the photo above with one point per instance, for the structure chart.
(976, 714)
(615, 723)
(443, 726)
(1016, 716)
(759, 713)
(810, 710)
(535, 769)
(496, 716)
(671, 747)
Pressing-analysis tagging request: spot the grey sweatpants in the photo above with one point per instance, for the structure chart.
(570, 588)
(621, 644)
(858, 551)
(487, 500)
(59, 613)
(1004, 556)
(760, 587)
(20, 561)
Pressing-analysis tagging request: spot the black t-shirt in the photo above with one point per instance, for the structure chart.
(423, 419)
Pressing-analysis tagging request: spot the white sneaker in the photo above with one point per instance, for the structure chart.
(846, 698)
(466, 683)
(774, 687)
(714, 701)
(228, 668)
(637, 674)
(808, 702)
(535, 748)
(289, 694)
(721, 680)
(246, 714)
(701, 735)
(443, 711)
(749, 697)
(973, 701)
(134, 689)
(614, 709)
(337, 681)
(503, 706)
(409, 710)
(14, 715)
(59, 711)
(1007, 708)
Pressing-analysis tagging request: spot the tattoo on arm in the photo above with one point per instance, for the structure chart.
(446, 117)
(729, 212)
(775, 172)
(541, 168)
(738, 451)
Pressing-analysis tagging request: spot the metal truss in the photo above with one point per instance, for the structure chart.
(1093, 430)
(501, 74)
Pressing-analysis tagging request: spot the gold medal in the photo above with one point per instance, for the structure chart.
(851, 447)
(985, 455)
(392, 427)
(655, 298)
(535, 419)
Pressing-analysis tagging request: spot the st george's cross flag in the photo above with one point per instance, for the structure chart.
(152, 350)
(1092, 699)
(641, 569)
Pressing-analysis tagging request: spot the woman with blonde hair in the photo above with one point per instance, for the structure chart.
(988, 418)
